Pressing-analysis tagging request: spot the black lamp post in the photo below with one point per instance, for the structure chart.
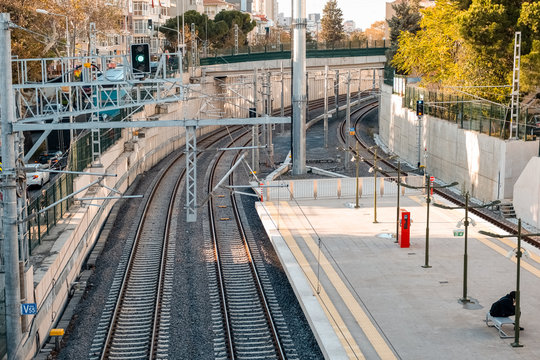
(519, 254)
(466, 222)
(428, 201)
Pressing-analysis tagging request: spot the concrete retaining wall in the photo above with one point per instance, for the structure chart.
(527, 193)
(486, 166)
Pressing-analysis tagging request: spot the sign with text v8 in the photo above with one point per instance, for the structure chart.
(29, 309)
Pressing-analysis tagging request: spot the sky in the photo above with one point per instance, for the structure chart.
(363, 12)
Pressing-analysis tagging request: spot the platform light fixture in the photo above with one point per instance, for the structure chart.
(466, 221)
(518, 251)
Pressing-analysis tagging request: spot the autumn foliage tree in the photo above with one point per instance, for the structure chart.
(42, 35)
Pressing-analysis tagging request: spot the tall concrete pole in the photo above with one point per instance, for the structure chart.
(326, 106)
(336, 93)
(269, 139)
(8, 176)
(282, 112)
(359, 85)
(299, 96)
(255, 141)
(348, 120)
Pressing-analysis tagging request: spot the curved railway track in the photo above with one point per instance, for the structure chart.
(135, 321)
(252, 323)
(446, 194)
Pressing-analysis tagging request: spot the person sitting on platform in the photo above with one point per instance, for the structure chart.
(505, 306)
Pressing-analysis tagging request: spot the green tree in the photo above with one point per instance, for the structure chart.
(232, 17)
(529, 23)
(406, 18)
(332, 23)
(219, 32)
(433, 53)
(473, 46)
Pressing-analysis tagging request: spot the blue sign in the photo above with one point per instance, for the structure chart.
(29, 309)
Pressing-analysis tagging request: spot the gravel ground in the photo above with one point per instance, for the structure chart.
(80, 333)
(192, 333)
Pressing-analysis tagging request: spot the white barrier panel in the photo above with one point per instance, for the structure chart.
(327, 188)
(337, 188)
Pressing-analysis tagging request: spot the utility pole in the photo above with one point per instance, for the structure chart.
(9, 191)
(269, 113)
(255, 129)
(326, 106)
(235, 39)
(514, 115)
(193, 50)
(348, 119)
(359, 85)
(299, 96)
(336, 93)
(282, 112)
(518, 253)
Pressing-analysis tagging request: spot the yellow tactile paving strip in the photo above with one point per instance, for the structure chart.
(342, 332)
(371, 332)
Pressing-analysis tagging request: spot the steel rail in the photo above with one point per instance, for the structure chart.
(155, 321)
(272, 329)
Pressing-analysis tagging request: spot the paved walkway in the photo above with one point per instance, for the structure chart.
(377, 297)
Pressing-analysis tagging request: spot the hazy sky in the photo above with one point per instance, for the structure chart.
(363, 12)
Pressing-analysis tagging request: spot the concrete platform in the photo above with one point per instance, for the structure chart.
(366, 298)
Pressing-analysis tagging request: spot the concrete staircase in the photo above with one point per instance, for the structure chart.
(507, 210)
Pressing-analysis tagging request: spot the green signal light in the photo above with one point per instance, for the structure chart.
(140, 58)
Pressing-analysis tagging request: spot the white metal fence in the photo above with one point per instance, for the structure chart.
(336, 188)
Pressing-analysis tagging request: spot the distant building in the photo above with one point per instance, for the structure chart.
(314, 17)
(349, 26)
(185, 5)
(243, 5)
(283, 21)
(213, 7)
(268, 8)
(144, 17)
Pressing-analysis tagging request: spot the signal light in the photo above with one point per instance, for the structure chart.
(140, 58)
(419, 107)
(150, 24)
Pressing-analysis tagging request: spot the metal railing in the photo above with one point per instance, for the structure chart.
(79, 158)
(469, 113)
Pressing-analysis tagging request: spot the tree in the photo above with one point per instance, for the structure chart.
(473, 46)
(529, 23)
(332, 23)
(357, 36)
(433, 52)
(232, 17)
(219, 32)
(376, 30)
(406, 18)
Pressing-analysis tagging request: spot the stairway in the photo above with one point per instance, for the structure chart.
(507, 210)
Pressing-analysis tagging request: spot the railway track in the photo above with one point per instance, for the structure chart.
(135, 320)
(391, 170)
(250, 321)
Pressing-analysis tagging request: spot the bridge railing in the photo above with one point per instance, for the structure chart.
(270, 48)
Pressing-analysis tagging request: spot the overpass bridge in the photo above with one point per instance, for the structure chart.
(348, 56)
